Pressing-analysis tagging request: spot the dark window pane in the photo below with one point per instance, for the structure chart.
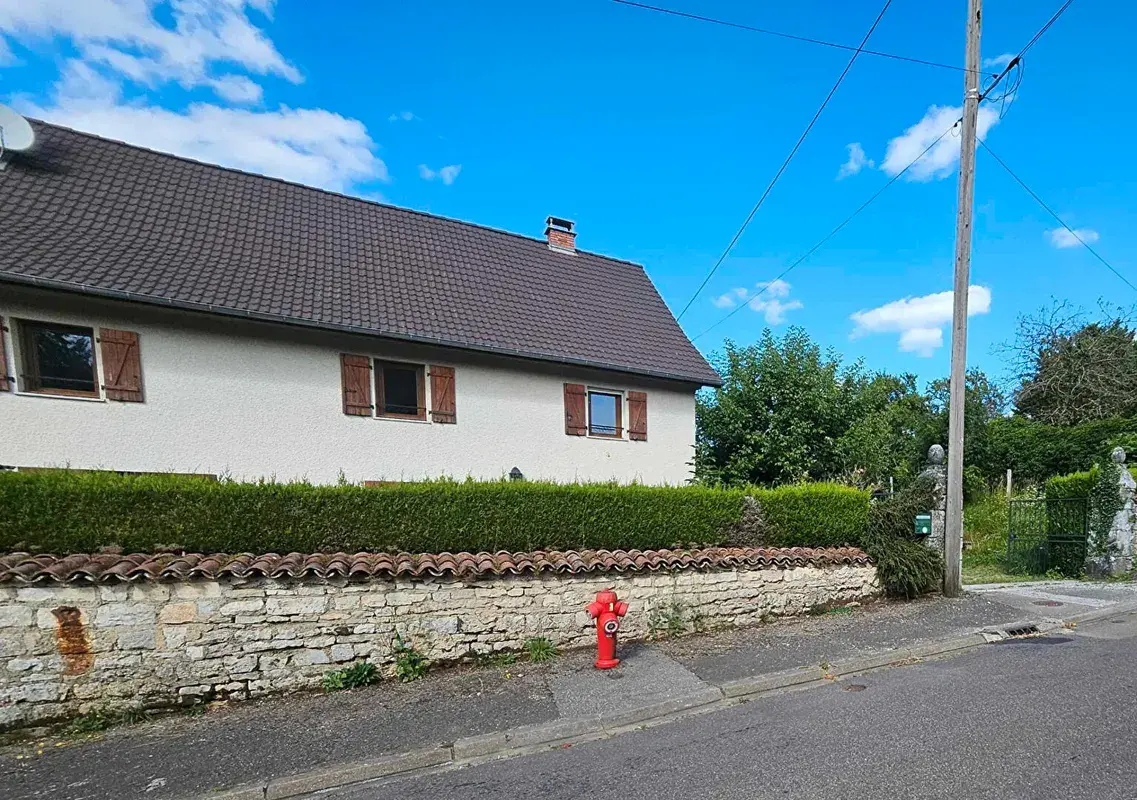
(63, 358)
(602, 414)
(400, 390)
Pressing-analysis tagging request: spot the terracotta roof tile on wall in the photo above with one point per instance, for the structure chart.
(92, 215)
(29, 568)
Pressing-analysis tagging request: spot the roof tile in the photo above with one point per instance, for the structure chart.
(102, 217)
(103, 568)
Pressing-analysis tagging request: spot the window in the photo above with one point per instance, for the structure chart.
(58, 359)
(604, 418)
(400, 390)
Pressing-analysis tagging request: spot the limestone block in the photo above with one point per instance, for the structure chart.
(305, 658)
(196, 590)
(17, 617)
(342, 652)
(142, 637)
(291, 606)
(113, 615)
(178, 613)
(236, 607)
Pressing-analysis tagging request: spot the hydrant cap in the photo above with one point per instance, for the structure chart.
(606, 597)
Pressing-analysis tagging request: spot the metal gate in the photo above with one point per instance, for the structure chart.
(1046, 535)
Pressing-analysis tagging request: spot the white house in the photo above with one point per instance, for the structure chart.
(159, 314)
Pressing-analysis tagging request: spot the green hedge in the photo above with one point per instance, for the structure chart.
(905, 567)
(1078, 484)
(1036, 451)
(72, 512)
(812, 515)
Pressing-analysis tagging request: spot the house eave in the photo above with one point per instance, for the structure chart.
(224, 311)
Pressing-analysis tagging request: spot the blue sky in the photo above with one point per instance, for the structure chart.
(656, 134)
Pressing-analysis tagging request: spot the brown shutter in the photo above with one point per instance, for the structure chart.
(637, 416)
(575, 395)
(356, 374)
(122, 365)
(5, 381)
(442, 405)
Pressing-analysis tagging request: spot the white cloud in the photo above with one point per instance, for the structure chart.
(404, 116)
(921, 341)
(999, 61)
(770, 300)
(237, 89)
(310, 146)
(856, 161)
(918, 320)
(127, 37)
(206, 43)
(447, 174)
(940, 161)
(1062, 238)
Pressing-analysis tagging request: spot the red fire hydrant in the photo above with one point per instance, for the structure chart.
(607, 610)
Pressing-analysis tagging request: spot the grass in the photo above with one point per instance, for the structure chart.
(985, 529)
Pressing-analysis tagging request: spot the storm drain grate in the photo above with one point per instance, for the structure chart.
(1021, 630)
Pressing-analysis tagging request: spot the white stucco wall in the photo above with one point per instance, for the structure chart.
(257, 400)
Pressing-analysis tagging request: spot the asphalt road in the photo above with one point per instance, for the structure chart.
(1052, 717)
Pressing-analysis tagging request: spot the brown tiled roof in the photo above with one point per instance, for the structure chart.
(28, 568)
(86, 214)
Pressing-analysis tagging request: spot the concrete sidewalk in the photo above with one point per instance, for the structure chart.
(291, 746)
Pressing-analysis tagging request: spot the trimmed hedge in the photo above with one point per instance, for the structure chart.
(1036, 451)
(73, 512)
(1078, 484)
(812, 515)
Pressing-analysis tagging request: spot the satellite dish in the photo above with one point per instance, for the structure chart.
(16, 134)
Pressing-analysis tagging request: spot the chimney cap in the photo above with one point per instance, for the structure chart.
(560, 222)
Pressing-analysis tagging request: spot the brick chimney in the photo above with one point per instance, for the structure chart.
(560, 234)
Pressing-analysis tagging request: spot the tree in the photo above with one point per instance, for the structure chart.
(1072, 369)
(789, 412)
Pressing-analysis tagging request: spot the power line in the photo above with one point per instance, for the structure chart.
(786, 163)
(1051, 212)
(1014, 62)
(790, 36)
(998, 79)
(831, 233)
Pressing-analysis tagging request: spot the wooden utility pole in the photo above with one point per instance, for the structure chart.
(953, 535)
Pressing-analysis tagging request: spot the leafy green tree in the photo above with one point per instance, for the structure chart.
(787, 412)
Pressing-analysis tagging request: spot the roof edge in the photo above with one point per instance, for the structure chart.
(322, 190)
(224, 311)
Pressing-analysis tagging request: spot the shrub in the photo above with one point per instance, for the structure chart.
(1078, 484)
(1036, 451)
(812, 515)
(905, 567)
(73, 512)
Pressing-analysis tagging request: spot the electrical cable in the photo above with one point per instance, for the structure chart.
(790, 36)
(1051, 212)
(786, 163)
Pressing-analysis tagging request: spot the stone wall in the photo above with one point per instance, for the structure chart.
(67, 649)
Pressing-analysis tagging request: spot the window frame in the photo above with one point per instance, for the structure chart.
(618, 395)
(379, 365)
(26, 356)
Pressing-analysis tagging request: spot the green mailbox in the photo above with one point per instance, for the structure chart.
(923, 525)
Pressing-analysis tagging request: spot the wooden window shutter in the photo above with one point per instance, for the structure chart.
(442, 405)
(5, 381)
(122, 365)
(637, 416)
(356, 374)
(575, 398)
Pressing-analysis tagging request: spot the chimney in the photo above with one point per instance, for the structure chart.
(560, 234)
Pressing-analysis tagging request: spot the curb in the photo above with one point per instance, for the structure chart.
(528, 739)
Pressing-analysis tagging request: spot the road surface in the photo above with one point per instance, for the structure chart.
(1049, 717)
